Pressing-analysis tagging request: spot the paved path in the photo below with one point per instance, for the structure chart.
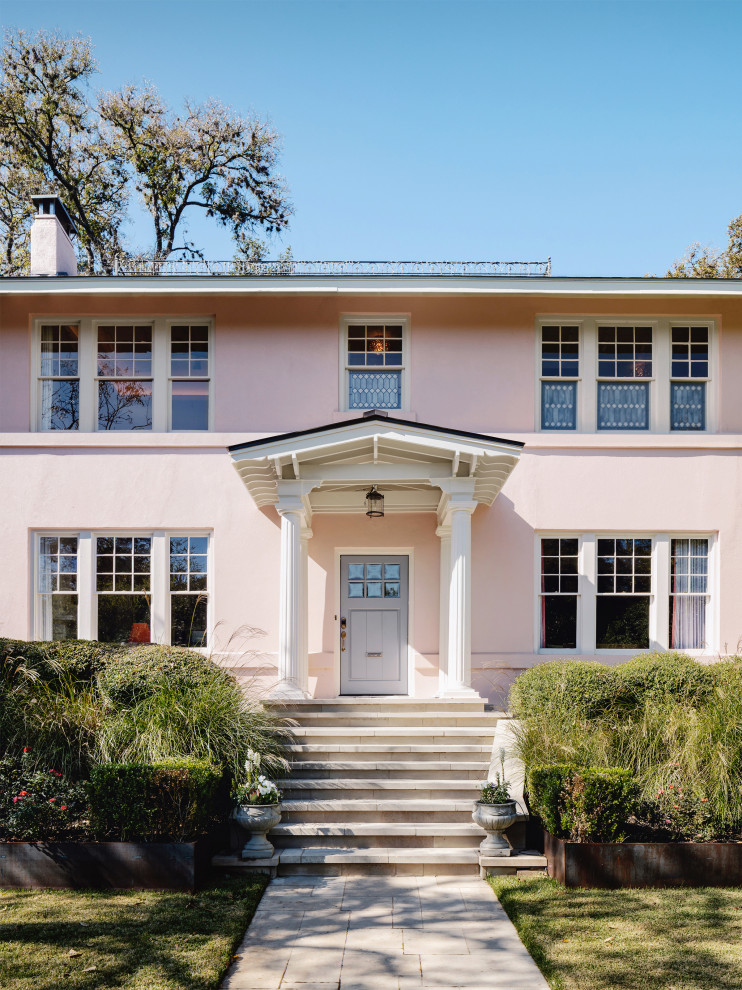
(381, 933)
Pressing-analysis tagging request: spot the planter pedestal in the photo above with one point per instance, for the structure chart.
(494, 819)
(258, 820)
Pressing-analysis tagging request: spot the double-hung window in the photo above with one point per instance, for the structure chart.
(189, 377)
(116, 375)
(123, 587)
(560, 366)
(374, 364)
(624, 370)
(59, 377)
(124, 377)
(689, 375)
(616, 593)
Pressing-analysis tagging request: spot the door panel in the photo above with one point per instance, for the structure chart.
(374, 594)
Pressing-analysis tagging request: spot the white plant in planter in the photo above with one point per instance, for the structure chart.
(495, 812)
(258, 808)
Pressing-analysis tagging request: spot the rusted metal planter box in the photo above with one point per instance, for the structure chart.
(104, 865)
(644, 864)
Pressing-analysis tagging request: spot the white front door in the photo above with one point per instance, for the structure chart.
(373, 624)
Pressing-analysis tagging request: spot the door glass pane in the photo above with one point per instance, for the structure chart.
(391, 589)
(391, 572)
(373, 589)
(355, 572)
(355, 589)
(373, 572)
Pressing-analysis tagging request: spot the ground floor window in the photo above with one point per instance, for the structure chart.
(123, 587)
(624, 592)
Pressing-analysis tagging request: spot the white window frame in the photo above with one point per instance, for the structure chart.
(541, 378)
(88, 376)
(349, 319)
(659, 595)
(87, 616)
(659, 382)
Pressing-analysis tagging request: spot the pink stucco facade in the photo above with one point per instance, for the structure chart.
(472, 364)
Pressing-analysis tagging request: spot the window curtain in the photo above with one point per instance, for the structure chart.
(688, 622)
(558, 405)
(688, 602)
(623, 405)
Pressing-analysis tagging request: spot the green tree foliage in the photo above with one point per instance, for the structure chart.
(103, 152)
(701, 262)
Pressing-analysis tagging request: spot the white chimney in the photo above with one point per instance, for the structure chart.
(52, 252)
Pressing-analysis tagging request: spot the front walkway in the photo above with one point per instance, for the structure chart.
(381, 933)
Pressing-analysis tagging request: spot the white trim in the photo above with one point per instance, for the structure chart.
(659, 382)
(88, 374)
(506, 285)
(365, 318)
(87, 613)
(659, 595)
(412, 653)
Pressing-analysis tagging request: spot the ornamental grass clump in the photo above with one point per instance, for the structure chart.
(665, 718)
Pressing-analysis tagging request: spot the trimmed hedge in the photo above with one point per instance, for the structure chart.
(70, 659)
(584, 804)
(172, 800)
(137, 670)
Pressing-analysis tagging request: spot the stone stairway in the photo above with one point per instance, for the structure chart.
(384, 786)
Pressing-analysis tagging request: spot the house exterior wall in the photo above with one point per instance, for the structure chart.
(472, 366)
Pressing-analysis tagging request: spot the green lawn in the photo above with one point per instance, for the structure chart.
(138, 940)
(681, 939)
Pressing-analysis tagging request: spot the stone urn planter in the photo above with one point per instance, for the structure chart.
(258, 820)
(494, 819)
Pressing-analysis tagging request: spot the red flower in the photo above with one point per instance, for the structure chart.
(23, 794)
(660, 792)
(670, 786)
(15, 800)
(676, 806)
(63, 807)
(667, 820)
(704, 799)
(25, 749)
(52, 800)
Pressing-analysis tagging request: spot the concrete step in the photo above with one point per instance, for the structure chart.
(404, 718)
(379, 703)
(375, 788)
(392, 861)
(369, 835)
(415, 769)
(381, 810)
(389, 734)
(380, 751)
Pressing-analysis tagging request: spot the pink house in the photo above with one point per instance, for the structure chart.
(187, 458)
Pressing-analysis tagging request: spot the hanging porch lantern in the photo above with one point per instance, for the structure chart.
(374, 503)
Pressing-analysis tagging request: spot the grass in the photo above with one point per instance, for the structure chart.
(679, 939)
(137, 940)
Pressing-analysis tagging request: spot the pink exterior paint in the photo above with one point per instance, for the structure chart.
(472, 367)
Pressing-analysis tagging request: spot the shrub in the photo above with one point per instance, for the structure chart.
(79, 660)
(584, 804)
(658, 674)
(173, 800)
(137, 671)
(577, 688)
(39, 805)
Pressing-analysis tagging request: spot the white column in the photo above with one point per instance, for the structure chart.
(458, 678)
(444, 532)
(291, 637)
(306, 535)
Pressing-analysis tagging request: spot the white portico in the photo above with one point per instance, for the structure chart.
(418, 469)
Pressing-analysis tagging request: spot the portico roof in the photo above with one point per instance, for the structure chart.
(419, 466)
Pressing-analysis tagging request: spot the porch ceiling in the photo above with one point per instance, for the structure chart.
(331, 467)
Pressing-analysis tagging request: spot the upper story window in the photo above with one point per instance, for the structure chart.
(690, 372)
(624, 353)
(560, 368)
(59, 377)
(105, 375)
(374, 363)
(640, 375)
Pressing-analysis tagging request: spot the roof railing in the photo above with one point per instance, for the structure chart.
(332, 268)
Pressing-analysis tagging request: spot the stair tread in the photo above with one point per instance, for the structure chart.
(380, 804)
(389, 748)
(390, 730)
(488, 717)
(333, 854)
(378, 828)
(377, 783)
(432, 765)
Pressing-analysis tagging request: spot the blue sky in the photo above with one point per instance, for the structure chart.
(604, 134)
